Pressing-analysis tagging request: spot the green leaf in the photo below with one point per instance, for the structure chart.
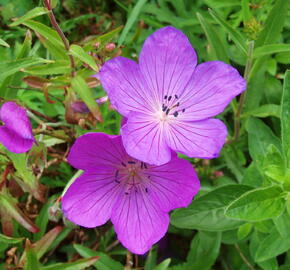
(80, 86)
(204, 250)
(45, 31)
(272, 246)
(274, 23)
(164, 265)
(4, 43)
(244, 230)
(285, 117)
(235, 35)
(282, 224)
(58, 67)
(77, 265)
(31, 262)
(9, 240)
(10, 67)
(207, 212)
(30, 15)
(214, 40)
(246, 12)
(257, 205)
(264, 111)
(131, 19)
(79, 53)
(271, 49)
(104, 262)
(260, 137)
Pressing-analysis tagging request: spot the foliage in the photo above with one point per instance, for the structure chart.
(240, 219)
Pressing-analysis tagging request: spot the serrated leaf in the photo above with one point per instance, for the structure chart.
(38, 11)
(105, 262)
(257, 205)
(207, 212)
(78, 52)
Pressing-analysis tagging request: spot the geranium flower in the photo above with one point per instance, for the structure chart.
(168, 100)
(16, 133)
(136, 196)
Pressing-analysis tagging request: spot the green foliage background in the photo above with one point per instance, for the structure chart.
(240, 219)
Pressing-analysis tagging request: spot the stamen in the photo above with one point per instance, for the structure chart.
(123, 164)
(165, 97)
(164, 108)
(141, 165)
(176, 96)
(169, 98)
(126, 193)
(116, 174)
(145, 165)
(146, 190)
(175, 114)
(131, 162)
(167, 111)
(117, 181)
(183, 110)
(177, 104)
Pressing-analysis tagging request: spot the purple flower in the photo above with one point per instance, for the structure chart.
(134, 195)
(168, 100)
(16, 133)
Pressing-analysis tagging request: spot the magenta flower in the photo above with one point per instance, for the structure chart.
(16, 133)
(134, 195)
(168, 100)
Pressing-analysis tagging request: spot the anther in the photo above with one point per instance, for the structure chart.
(176, 96)
(131, 162)
(177, 104)
(126, 193)
(175, 114)
(167, 111)
(123, 164)
(164, 108)
(145, 165)
(117, 181)
(146, 190)
(183, 110)
(165, 97)
(116, 173)
(169, 98)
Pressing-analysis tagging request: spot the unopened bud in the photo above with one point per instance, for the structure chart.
(110, 47)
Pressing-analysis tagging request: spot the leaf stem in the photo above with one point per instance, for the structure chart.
(245, 260)
(61, 34)
(242, 99)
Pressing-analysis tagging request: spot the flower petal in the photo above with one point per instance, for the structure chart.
(16, 135)
(88, 201)
(125, 85)
(138, 221)
(212, 87)
(167, 61)
(200, 139)
(96, 150)
(173, 184)
(143, 139)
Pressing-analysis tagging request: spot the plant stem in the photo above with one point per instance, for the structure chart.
(129, 261)
(61, 34)
(245, 260)
(243, 95)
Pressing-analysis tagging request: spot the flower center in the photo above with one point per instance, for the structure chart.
(171, 107)
(131, 175)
